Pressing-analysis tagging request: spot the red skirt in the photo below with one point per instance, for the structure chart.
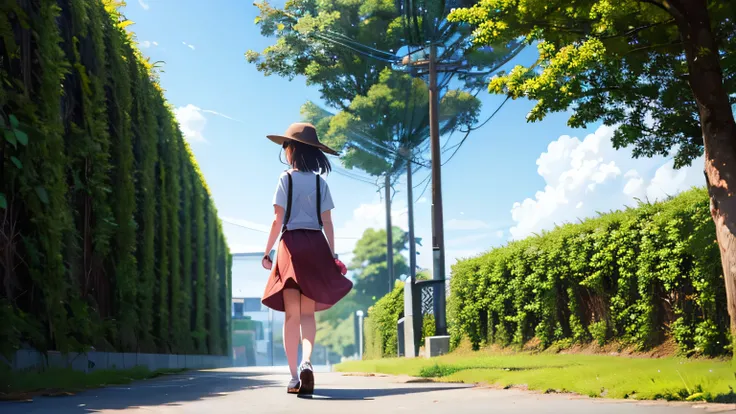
(304, 262)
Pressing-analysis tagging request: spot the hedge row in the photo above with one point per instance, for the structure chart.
(380, 329)
(108, 232)
(637, 276)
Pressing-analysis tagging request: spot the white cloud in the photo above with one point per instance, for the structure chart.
(192, 122)
(668, 182)
(456, 224)
(422, 200)
(246, 248)
(143, 4)
(220, 114)
(188, 45)
(635, 184)
(465, 240)
(470, 240)
(147, 43)
(587, 174)
(368, 216)
(452, 256)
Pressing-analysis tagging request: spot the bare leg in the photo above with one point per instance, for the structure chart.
(292, 304)
(309, 327)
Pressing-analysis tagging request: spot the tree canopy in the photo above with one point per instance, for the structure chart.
(314, 40)
(622, 63)
(369, 264)
(376, 130)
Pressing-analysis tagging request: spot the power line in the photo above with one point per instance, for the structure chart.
(352, 177)
(423, 191)
(471, 129)
(266, 232)
(423, 181)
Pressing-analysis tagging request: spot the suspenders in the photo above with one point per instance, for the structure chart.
(287, 216)
(288, 204)
(319, 201)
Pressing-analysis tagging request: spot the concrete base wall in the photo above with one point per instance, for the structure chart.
(95, 361)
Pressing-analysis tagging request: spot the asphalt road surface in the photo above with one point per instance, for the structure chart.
(249, 390)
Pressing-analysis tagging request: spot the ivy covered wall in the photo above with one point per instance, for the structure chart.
(109, 236)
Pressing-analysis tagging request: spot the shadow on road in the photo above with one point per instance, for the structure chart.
(360, 394)
(168, 390)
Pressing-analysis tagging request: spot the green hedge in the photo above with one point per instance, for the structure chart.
(108, 232)
(637, 276)
(380, 327)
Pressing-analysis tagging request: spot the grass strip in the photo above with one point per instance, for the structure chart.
(598, 376)
(25, 385)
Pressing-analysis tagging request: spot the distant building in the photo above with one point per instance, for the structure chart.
(257, 334)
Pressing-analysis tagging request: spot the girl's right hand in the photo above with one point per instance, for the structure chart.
(341, 266)
(266, 263)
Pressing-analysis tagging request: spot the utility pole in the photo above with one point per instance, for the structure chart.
(438, 234)
(389, 236)
(412, 246)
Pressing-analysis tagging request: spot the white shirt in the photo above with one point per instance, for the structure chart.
(303, 199)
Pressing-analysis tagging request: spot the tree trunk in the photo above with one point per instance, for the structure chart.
(719, 133)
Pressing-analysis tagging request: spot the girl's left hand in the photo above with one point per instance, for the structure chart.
(266, 263)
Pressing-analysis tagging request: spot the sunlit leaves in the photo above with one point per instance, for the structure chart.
(620, 62)
(615, 277)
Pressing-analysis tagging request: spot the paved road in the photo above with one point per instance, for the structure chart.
(263, 391)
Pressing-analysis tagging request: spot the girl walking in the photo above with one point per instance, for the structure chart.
(307, 276)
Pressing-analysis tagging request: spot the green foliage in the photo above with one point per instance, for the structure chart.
(301, 50)
(380, 325)
(338, 335)
(619, 62)
(636, 276)
(213, 302)
(370, 268)
(98, 193)
(381, 328)
(199, 279)
(390, 117)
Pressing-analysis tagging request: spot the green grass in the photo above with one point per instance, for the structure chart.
(56, 381)
(592, 375)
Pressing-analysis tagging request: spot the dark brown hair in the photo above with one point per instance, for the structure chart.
(307, 158)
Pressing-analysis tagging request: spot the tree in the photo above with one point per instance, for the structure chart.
(664, 71)
(312, 38)
(376, 129)
(369, 265)
(335, 326)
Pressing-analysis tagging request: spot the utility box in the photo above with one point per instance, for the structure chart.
(436, 346)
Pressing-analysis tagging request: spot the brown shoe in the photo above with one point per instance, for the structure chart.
(306, 377)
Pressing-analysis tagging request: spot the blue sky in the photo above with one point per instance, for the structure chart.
(510, 179)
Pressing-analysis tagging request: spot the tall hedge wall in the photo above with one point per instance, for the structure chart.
(108, 233)
(637, 276)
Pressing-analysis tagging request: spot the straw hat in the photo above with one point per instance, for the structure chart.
(304, 133)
